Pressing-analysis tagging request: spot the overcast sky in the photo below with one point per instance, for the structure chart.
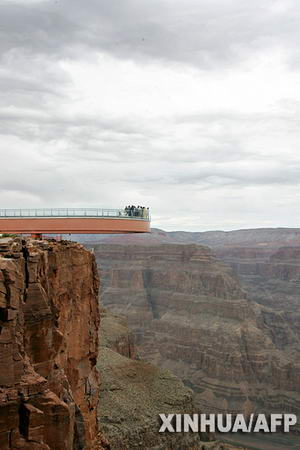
(190, 107)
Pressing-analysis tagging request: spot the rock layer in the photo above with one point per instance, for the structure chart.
(189, 314)
(270, 276)
(48, 345)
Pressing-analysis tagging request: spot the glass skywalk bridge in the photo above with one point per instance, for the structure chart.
(74, 220)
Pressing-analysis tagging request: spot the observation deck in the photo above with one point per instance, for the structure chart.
(74, 221)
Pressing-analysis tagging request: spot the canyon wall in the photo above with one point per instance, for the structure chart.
(270, 276)
(266, 261)
(190, 314)
(49, 318)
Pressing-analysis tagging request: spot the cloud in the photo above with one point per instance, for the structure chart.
(189, 107)
(206, 34)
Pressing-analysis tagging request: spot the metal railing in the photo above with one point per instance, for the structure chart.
(137, 213)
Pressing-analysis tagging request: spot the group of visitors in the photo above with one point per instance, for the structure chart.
(139, 211)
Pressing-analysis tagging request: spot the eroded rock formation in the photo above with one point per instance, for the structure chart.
(49, 319)
(271, 277)
(189, 314)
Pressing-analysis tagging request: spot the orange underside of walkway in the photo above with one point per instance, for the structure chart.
(73, 225)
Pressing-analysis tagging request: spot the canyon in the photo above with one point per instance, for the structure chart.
(210, 330)
(70, 373)
(190, 314)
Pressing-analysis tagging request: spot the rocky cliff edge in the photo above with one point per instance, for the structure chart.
(49, 318)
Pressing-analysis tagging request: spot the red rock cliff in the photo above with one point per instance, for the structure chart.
(48, 345)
